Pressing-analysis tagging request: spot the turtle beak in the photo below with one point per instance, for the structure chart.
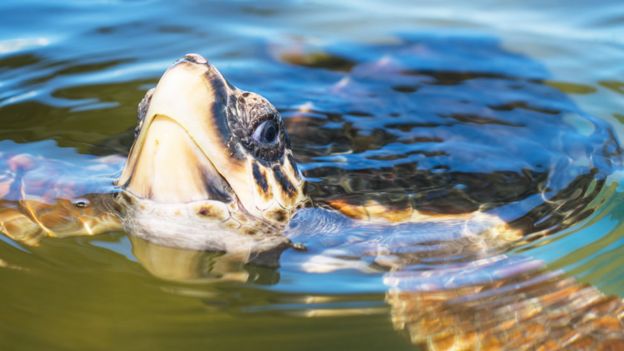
(180, 153)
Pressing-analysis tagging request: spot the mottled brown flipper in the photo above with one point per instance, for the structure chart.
(529, 311)
(28, 221)
(32, 208)
(496, 231)
(520, 306)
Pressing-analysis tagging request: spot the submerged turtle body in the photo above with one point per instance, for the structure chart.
(211, 168)
(42, 197)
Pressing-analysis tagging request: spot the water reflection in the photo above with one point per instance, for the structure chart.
(190, 266)
(529, 310)
(499, 301)
(440, 117)
(547, 161)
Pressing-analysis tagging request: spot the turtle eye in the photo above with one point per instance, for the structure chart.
(266, 132)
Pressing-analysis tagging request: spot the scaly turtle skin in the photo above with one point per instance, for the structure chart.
(211, 169)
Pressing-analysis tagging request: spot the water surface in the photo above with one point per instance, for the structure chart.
(511, 108)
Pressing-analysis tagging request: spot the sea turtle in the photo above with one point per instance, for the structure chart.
(211, 168)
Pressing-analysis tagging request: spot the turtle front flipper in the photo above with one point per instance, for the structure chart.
(27, 221)
(19, 227)
(47, 197)
(493, 230)
(490, 301)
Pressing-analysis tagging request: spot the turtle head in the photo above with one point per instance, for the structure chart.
(200, 140)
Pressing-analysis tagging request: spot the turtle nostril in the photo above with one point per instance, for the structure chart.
(195, 58)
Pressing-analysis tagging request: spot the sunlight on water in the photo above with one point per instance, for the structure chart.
(513, 110)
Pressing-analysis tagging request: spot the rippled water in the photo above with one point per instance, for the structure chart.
(515, 109)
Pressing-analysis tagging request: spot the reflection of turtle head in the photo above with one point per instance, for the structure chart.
(187, 266)
(207, 149)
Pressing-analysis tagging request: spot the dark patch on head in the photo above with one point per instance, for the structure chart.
(142, 111)
(293, 165)
(126, 198)
(210, 212)
(217, 189)
(260, 178)
(220, 104)
(307, 203)
(279, 215)
(251, 231)
(283, 181)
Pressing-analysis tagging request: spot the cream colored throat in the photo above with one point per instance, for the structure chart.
(171, 168)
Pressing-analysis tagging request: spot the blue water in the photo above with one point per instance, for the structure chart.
(512, 108)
